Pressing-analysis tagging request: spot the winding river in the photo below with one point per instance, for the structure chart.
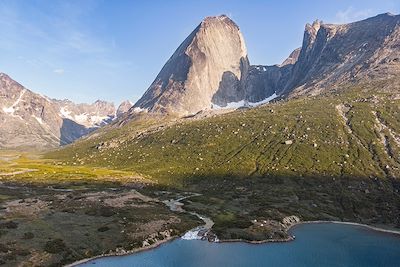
(199, 232)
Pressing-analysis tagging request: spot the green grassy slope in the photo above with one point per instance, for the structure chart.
(330, 157)
(355, 134)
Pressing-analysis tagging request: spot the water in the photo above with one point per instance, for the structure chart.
(325, 244)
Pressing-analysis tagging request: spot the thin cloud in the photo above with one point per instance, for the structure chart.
(351, 15)
(62, 31)
(59, 71)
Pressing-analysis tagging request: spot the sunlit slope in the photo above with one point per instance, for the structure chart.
(351, 133)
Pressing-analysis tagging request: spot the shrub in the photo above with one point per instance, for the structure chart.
(55, 246)
(103, 229)
(28, 235)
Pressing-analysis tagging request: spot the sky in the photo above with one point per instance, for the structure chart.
(85, 50)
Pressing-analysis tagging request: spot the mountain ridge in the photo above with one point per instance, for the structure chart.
(32, 120)
(331, 55)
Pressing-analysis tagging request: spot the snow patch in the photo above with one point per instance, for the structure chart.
(38, 119)
(12, 109)
(138, 110)
(230, 105)
(9, 110)
(244, 103)
(81, 118)
(98, 119)
(65, 113)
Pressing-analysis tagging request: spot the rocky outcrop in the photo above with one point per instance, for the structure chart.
(293, 57)
(333, 55)
(209, 67)
(28, 119)
(123, 108)
(290, 221)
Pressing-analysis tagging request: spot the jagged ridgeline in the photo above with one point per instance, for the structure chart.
(211, 69)
(32, 121)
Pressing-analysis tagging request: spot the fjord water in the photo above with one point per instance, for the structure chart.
(322, 244)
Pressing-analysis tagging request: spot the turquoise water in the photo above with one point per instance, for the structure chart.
(324, 244)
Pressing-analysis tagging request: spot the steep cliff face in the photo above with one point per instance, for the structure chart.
(209, 67)
(265, 81)
(332, 55)
(28, 119)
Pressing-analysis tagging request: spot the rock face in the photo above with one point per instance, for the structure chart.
(209, 67)
(293, 57)
(123, 108)
(333, 55)
(28, 119)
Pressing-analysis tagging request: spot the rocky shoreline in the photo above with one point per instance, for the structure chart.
(205, 233)
(124, 252)
(290, 238)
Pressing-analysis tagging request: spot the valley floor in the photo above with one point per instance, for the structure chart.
(48, 218)
(255, 172)
(58, 214)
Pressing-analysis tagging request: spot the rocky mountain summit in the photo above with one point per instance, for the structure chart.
(28, 119)
(333, 55)
(210, 68)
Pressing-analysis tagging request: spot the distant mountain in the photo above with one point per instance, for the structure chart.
(123, 108)
(28, 119)
(210, 68)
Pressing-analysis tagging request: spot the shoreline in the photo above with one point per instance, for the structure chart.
(255, 242)
(125, 253)
(290, 238)
(369, 227)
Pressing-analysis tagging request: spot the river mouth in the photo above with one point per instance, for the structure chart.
(202, 232)
(316, 244)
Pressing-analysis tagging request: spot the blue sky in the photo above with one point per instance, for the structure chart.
(86, 50)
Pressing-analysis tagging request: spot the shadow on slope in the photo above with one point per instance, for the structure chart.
(70, 131)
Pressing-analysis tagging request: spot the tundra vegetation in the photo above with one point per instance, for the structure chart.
(328, 157)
